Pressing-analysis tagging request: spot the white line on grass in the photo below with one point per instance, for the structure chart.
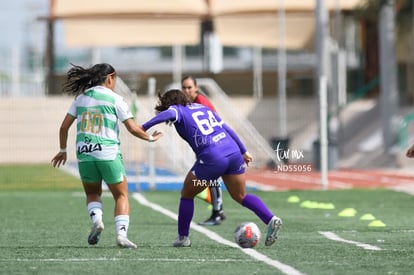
(332, 236)
(104, 259)
(286, 269)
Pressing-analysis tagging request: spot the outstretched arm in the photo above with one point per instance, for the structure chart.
(139, 131)
(169, 115)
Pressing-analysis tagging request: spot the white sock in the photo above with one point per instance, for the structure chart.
(95, 211)
(122, 224)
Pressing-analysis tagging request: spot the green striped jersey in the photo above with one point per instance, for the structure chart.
(98, 111)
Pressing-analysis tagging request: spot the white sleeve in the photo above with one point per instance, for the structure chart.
(122, 109)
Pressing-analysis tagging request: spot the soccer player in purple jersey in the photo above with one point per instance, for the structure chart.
(214, 195)
(219, 153)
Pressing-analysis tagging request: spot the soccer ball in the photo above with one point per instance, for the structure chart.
(247, 235)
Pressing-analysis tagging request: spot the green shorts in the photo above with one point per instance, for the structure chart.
(111, 171)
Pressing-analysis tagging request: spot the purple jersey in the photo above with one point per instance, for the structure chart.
(202, 128)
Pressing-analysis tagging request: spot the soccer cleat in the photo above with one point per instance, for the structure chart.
(222, 216)
(211, 221)
(123, 242)
(96, 230)
(215, 219)
(273, 228)
(182, 241)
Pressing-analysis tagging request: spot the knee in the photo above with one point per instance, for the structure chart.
(238, 197)
(187, 194)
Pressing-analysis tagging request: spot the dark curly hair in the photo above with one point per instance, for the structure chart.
(80, 79)
(171, 97)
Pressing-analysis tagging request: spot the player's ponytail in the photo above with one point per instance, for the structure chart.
(80, 79)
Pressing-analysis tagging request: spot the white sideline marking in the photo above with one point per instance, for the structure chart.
(286, 269)
(104, 259)
(332, 236)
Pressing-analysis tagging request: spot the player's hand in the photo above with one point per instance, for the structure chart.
(247, 158)
(156, 135)
(410, 152)
(59, 159)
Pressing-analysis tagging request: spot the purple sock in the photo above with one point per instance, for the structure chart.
(185, 215)
(255, 204)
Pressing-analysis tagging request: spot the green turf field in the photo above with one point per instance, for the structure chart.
(45, 227)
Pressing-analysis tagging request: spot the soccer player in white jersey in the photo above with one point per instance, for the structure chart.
(98, 109)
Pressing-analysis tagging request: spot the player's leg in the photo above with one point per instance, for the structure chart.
(121, 213)
(94, 204)
(217, 214)
(212, 170)
(92, 185)
(217, 201)
(113, 173)
(236, 186)
(235, 181)
(192, 186)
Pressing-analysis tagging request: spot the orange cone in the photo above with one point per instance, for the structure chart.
(205, 195)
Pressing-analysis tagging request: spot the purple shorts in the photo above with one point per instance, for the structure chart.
(211, 168)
